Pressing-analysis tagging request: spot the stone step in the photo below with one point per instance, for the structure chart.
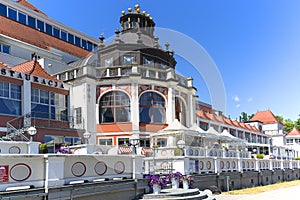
(179, 194)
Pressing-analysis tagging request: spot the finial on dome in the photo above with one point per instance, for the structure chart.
(144, 12)
(167, 46)
(130, 10)
(101, 37)
(137, 8)
(123, 12)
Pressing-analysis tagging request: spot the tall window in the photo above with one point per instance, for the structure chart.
(114, 107)
(49, 105)
(152, 108)
(180, 111)
(10, 99)
(78, 115)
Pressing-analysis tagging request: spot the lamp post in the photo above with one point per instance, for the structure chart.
(134, 141)
(31, 131)
(86, 136)
(181, 145)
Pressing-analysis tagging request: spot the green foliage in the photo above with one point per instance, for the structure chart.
(288, 125)
(297, 158)
(280, 118)
(260, 156)
(244, 117)
(43, 148)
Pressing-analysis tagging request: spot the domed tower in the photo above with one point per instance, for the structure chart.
(131, 87)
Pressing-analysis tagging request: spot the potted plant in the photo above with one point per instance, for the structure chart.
(174, 178)
(156, 183)
(187, 181)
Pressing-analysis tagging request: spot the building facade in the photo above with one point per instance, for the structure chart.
(72, 87)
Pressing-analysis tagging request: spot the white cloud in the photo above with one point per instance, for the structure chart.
(236, 98)
(250, 99)
(238, 105)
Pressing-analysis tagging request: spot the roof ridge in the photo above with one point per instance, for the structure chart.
(30, 6)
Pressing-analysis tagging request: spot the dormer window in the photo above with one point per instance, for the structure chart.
(128, 59)
(108, 62)
(148, 62)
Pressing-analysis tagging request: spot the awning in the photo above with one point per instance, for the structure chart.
(146, 150)
(125, 150)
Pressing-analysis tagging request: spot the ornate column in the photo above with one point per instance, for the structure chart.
(134, 104)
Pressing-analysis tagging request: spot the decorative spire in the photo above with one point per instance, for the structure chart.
(156, 45)
(167, 45)
(117, 32)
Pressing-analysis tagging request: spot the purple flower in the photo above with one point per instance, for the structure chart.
(156, 180)
(187, 178)
(176, 175)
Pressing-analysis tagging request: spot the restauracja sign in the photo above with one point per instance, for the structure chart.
(28, 77)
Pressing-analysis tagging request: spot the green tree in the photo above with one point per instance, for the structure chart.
(288, 125)
(280, 118)
(244, 117)
(297, 123)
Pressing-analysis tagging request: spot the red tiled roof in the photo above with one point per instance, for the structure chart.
(294, 132)
(35, 37)
(266, 117)
(201, 114)
(34, 68)
(225, 120)
(30, 6)
(2, 65)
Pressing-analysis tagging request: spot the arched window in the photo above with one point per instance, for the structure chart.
(114, 107)
(180, 111)
(152, 108)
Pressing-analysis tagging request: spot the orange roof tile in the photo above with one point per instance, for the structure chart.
(37, 38)
(294, 132)
(237, 124)
(2, 65)
(34, 68)
(30, 6)
(219, 118)
(200, 114)
(266, 117)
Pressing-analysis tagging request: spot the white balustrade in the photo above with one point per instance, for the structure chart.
(58, 170)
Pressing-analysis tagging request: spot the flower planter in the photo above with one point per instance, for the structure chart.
(156, 189)
(175, 183)
(185, 184)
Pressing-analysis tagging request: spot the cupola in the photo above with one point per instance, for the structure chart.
(136, 20)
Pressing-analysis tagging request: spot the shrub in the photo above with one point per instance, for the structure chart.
(43, 148)
(297, 158)
(177, 151)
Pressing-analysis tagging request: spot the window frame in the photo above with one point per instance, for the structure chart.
(154, 105)
(115, 101)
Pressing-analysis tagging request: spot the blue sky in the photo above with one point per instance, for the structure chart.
(255, 44)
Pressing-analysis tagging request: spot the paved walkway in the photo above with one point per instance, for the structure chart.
(280, 194)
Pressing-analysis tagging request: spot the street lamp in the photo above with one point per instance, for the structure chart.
(181, 145)
(134, 141)
(31, 131)
(86, 136)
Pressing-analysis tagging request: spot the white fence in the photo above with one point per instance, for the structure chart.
(13, 147)
(197, 164)
(58, 170)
